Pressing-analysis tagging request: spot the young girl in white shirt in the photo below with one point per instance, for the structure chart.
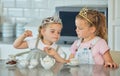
(49, 34)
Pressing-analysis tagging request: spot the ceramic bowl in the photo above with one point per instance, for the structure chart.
(74, 61)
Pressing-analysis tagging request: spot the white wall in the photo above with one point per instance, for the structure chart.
(114, 24)
(29, 11)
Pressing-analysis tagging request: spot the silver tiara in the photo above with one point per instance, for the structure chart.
(51, 20)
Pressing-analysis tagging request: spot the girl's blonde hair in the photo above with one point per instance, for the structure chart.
(96, 19)
(46, 22)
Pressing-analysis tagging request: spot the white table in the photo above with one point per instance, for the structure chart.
(59, 70)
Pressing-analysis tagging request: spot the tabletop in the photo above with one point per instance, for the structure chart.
(59, 70)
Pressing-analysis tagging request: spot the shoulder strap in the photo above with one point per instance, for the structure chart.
(94, 41)
(57, 47)
(79, 42)
(37, 41)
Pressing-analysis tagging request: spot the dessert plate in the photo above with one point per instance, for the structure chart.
(10, 65)
(70, 64)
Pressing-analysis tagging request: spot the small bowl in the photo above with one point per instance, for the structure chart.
(74, 61)
(23, 63)
(10, 65)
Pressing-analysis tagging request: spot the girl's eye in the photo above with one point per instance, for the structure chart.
(59, 32)
(79, 28)
(52, 31)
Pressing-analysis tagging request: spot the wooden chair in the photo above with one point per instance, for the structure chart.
(116, 56)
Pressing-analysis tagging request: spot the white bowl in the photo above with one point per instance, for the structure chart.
(74, 61)
(10, 65)
(23, 63)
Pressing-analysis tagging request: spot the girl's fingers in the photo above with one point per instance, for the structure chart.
(115, 65)
(28, 33)
(47, 50)
(111, 65)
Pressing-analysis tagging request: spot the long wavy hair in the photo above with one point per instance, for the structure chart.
(98, 20)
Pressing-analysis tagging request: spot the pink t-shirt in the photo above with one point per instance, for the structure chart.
(98, 49)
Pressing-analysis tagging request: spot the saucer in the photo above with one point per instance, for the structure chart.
(10, 65)
(70, 64)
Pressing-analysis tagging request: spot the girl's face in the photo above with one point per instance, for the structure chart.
(51, 33)
(83, 29)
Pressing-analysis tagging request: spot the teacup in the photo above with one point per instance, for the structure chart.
(74, 61)
(23, 63)
(33, 63)
(47, 62)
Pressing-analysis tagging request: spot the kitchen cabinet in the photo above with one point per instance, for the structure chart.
(114, 24)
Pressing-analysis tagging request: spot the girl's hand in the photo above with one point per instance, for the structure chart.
(27, 33)
(50, 51)
(111, 65)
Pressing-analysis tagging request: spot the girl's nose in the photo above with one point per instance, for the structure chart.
(56, 33)
(76, 30)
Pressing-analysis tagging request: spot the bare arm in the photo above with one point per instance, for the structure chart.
(19, 42)
(52, 52)
(59, 59)
(109, 61)
(71, 56)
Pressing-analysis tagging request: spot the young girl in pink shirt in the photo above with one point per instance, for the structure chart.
(91, 47)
